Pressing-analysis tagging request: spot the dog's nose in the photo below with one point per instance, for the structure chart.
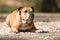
(31, 16)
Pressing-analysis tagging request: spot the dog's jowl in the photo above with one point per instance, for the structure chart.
(22, 19)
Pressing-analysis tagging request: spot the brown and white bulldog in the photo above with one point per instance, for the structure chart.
(22, 19)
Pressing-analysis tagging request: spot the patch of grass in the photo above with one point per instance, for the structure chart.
(35, 3)
(37, 6)
(6, 9)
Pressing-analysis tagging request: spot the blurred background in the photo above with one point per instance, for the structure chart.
(7, 6)
(45, 10)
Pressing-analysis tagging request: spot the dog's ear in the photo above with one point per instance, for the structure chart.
(32, 9)
(20, 8)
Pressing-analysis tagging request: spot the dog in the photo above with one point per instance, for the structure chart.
(22, 19)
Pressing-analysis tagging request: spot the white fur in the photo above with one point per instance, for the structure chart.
(27, 15)
(23, 21)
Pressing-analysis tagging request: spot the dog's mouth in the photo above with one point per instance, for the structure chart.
(23, 21)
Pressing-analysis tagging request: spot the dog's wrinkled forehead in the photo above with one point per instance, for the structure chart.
(25, 9)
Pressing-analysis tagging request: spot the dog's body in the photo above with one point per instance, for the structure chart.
(22, 19)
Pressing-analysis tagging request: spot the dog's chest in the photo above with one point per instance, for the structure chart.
(25, 26)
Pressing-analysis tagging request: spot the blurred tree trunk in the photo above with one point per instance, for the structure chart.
(49, 6)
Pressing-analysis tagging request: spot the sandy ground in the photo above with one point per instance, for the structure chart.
(45, 22)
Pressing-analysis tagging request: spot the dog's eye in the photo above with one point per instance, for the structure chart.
(25, 11)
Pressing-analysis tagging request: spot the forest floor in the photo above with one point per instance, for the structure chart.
(48, 22)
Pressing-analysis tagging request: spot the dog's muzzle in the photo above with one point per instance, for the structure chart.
(29, 16)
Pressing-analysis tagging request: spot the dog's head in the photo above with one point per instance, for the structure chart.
(27, 13)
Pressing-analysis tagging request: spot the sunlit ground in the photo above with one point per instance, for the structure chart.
(43, 21)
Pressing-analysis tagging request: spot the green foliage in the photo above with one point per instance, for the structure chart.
(37, 6)
(34, 3)
(6, 9)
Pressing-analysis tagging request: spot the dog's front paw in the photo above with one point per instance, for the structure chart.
(14, 30)
(38, 31)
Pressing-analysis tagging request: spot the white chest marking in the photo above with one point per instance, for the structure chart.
(23, 21)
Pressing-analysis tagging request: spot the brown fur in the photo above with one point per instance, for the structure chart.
(14, 20)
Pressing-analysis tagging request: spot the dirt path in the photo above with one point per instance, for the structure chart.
(45, 22)
(31, 36)
(53, 29)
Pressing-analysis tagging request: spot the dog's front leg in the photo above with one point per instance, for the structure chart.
(35, 30)
(15, 27)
